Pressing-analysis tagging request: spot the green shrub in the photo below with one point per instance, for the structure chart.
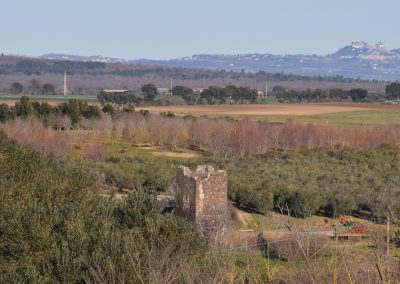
(54, 228)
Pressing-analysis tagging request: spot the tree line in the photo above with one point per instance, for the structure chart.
(216, 95)
(35, 87)
(39, 67)
(36, 67)
(211, 95)
(335, 95)
(75, 110)
(232, 138)
(393, 91)
(318, 95)
(237, 95)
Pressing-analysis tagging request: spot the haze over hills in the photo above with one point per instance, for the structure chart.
(359, 59)
(94, 58)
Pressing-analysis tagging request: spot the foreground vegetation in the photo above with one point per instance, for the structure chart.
(64, 220)
(309, 178)
(55, 228)
(311, 169)
(329, 183)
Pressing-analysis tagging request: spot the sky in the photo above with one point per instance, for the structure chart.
(165, 29)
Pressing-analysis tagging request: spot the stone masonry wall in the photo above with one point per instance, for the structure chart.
(201, 196)
(185, 194)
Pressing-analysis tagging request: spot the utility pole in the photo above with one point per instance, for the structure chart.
(171, 87)
(65, 83)
(336, 252)
(266, 88)
(388, 232)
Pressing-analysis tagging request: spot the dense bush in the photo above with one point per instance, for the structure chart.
(328, 182)
(301, 184)
(211, 95)
(318, 95)
(16, 88)
(6, 113)
(297, 246)
(139, 171)
(120, 99)
(393, 91)
(54, 228)
(76, 110)
(216, 95)
(36, 67)
(241, 138)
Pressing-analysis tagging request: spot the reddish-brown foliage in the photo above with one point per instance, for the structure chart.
(97, 152)
(34, 133)
(220, 137)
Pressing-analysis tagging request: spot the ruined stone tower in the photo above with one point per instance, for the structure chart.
(201, 196)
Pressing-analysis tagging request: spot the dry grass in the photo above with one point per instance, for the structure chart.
(176, 155)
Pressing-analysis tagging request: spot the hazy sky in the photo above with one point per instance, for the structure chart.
(173, 28)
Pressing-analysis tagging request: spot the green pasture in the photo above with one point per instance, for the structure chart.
(87, 98)
(346, 118)
(364, 117)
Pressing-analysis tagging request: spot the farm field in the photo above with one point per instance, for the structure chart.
(51, 99)
(342, 114)
(359, 117)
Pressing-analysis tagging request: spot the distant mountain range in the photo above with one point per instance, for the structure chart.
(359, 59)
(94, 58)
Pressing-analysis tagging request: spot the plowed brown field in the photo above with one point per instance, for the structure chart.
(271, 109)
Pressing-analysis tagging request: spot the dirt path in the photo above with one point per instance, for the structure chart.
(176, 155)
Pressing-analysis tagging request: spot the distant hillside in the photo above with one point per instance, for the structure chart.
(357, 60)
(94, 58)
(94, 74)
